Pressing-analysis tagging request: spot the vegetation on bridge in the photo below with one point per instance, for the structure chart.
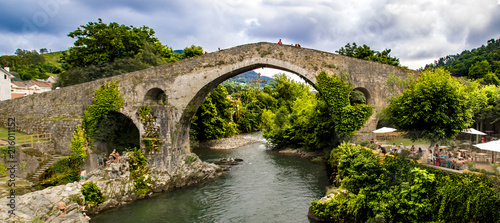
(365, 53)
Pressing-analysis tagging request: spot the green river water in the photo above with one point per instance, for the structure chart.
(266, 187)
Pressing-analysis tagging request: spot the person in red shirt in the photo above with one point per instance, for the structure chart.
(279, 42)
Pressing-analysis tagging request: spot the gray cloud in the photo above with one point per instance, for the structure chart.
(416, 31)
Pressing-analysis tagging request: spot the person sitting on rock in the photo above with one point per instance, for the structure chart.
(116, 156)
(110, 159)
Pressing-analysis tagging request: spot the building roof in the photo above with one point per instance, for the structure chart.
(6, 72)
(32, 83)
(16, 95)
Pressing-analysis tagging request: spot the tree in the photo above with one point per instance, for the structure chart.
(43, 50)
(364, 52)
(479, 69)
(192, 51)
(98, 43)
(103, 50)
(436, 107)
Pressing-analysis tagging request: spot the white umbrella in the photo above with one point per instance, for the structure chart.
(384, 130)
(493, 146)
(473, 131)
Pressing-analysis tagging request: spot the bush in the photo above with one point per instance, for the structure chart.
(397, 189)
(92, 193)
(139, 172)
(364, 143)
(61, 172)
(190, 159)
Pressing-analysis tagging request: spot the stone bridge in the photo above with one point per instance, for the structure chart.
(174, 92)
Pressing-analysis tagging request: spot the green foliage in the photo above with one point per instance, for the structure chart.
(77, 199)
(347, 118)
(213, 118)
(29, 65)
(479, 69)
(61, 172)
(364, 52)
(139, 172)
(92, 193)
(97, 43)
(190, 159)
(435, 107)
(78, 152)
(107, 98)
(396, 189)
(192, 51)
(103, 50)
(478, 61)
(490, 78)
(357, 97)
(3, 170)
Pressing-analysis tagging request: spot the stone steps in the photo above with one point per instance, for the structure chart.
(44, 167)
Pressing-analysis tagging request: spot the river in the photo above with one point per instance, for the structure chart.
(266, 187)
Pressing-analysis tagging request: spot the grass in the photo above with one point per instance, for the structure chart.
(52, 58)
(4, 133)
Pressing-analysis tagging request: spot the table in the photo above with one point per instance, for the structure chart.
(483, 155)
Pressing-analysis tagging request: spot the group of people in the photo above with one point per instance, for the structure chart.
(438, 157)
(104, 160)
(296, 45)
(396, 149)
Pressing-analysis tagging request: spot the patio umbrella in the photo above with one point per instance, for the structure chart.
(473, 131)
(384, 130)
(493, 146)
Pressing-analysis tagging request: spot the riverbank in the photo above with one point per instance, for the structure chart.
(232, 142)
(116, 185)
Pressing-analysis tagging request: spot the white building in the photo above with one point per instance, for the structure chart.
(5, 89)
(23, 88)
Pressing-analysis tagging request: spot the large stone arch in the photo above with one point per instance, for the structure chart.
(228, 73)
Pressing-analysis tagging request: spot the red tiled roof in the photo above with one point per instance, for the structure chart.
(32, 83)
(16, 95)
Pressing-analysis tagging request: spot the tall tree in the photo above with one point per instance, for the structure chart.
(436, 107)
(98, 43)
(103, 50)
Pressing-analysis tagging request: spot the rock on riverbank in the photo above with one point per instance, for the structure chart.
(115, 184)
(232, 142)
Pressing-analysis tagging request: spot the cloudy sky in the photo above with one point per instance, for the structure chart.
(417, 31)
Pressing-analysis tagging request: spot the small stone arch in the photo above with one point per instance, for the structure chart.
(155, 96)
(366, 93)
(116, 131)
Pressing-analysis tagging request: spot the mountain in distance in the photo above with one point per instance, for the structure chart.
(248, 77)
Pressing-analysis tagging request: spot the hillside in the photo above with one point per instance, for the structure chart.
(29, 65)
(475, 63)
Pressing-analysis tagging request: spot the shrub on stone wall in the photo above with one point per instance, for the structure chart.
(139, 172)
(92, 193)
